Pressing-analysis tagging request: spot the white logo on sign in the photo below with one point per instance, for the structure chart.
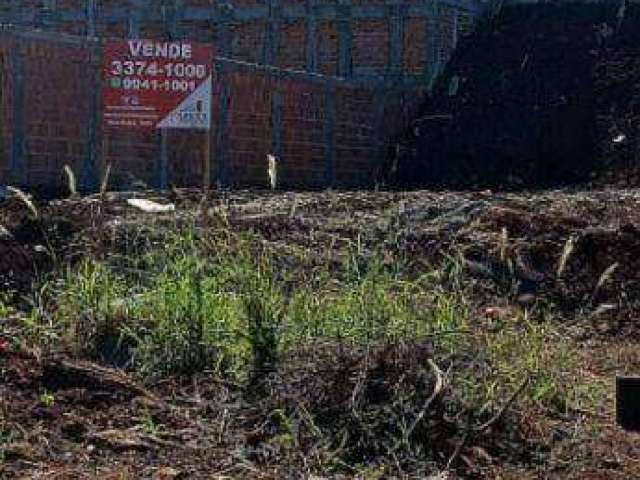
(193, 112)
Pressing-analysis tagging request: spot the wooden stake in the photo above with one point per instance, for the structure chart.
(104, 155)
(164, 159)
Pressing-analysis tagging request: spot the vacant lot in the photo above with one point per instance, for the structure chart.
(335, 334)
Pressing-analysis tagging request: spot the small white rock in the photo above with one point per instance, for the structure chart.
(148, 206)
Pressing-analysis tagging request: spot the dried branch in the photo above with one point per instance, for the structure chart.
(456, 453)
(88, 373)
(564, 258)
(441, 382)
(71, 181)
(24, 198)
(504, 408)
(105, 181)
(604, 278)
(469, 432)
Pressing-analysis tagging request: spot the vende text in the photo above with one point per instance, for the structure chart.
(173, 50)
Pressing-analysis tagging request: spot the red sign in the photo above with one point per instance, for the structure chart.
(152, 84)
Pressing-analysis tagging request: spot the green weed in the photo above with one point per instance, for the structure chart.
(47, 399)
(521, 349)
(7, 437)
(206, 304)
(83, 308)
(5, 309)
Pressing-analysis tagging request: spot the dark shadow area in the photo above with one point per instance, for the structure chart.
(539, 96)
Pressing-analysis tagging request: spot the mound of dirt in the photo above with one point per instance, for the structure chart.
(516, 253)
(16, 264)
(540, 95)
(16, 261)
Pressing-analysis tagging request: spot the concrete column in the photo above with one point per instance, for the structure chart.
(89, 176)
(330, 136)
(272, 33)
(454, 39)
(92, 16)
(396, 15)
(136, 13)
(224, 17)
(276, 120)
(170, 15)
(380, 97)
(18, 169)
(221, 145)
(163, 167)
(432, 46)
(345, 38)
(311, 39)
(47, 15)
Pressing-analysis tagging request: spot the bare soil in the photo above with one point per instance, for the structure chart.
(106, 424)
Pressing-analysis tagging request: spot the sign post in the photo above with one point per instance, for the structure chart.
(158, 85)
(164, 159)
(206, 176)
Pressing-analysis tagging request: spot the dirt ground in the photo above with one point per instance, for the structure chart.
(576, 250)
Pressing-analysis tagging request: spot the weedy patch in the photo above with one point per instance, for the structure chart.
(296, 342)
(350, 359)
(205, 306)
(520, 350)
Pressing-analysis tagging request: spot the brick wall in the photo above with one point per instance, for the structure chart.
(58, 106)
(327, 48)
(56, 98)
(74, 27)
(248, 41)
(244, 28)
(248, 131)
(370, 46)
(291, 48)
(360, 122)
(320, 127)
(304, 115)
(415, 41)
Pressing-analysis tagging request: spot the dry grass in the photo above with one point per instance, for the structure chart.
(304, 346)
